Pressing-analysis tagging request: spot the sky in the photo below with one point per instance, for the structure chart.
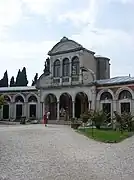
(30, 28)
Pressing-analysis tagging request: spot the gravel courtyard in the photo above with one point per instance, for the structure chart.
(35, 152)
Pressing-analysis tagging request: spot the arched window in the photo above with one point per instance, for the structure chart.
(19, 99)
(32, 99)
(57, 68)
(66, 68)
(125, 95)
(106, 96)
(75, 66)
(7, 98)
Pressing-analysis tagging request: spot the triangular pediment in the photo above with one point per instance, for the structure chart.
(65, 45)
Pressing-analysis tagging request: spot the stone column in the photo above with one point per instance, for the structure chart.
(58, 110)
(73, 102)
(70, 72)
(14, 110)
(11, 112)
(25, 109)
(93, 105)
(89, 105)
(41, 110)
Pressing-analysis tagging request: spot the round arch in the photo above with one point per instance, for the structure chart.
(122, 89)
(103, 91)
(75, 65)
(56, 68)
(7, 98)
(65, 67)
(6, 107)
(31, 94)
(19, 94)
(81, 103)
(51, 105)
(65, 101)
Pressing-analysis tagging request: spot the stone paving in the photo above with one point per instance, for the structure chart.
(35, 152)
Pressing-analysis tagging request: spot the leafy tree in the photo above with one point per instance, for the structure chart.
(35, 79)
(2, 101)
(12, 83)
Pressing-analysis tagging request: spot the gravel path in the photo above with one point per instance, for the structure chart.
(35, 152)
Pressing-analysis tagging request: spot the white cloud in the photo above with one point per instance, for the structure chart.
(19, 54)
(122, 1)
(115, 44)
(43, 6)
(84, 16)
(10, 13)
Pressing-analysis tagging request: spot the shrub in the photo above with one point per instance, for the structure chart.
(85, 117)
(2, 101)
(98, 117)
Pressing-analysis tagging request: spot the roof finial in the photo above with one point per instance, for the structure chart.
(64, 39)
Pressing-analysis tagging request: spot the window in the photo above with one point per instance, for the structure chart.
(125, 95)
(56, 68)
(106, 96)
(66, 68)
(75, 66)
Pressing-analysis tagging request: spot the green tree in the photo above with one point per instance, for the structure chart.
(12, 83)
(35, 79)
(23, 77)
(18, 79)
(4, 80)
(2, 101)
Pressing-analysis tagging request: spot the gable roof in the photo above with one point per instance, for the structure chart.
(75, 47)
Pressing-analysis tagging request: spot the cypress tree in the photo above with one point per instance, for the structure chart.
(23, 77)
(35, 79)
(5, 80)
(12, 83)
(18, 78)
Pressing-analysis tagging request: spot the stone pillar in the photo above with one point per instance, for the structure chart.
(132, 107)
(73, 102)
(70, 66)
(14, 110)
(93, 105)
(58, 110)
(89, 105)
(25, 109)
(41, 110)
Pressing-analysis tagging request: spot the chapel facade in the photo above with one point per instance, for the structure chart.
(74, 81)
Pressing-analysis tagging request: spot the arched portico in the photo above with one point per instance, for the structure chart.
(125, 100)
(6, 108)
(19, 106)
(32, 106)
(81, 104)
(65, 101)
(51, 106)
(106, 103)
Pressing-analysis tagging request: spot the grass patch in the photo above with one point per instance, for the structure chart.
(107, 136)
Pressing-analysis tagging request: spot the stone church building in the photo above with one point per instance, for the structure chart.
(74, 81)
